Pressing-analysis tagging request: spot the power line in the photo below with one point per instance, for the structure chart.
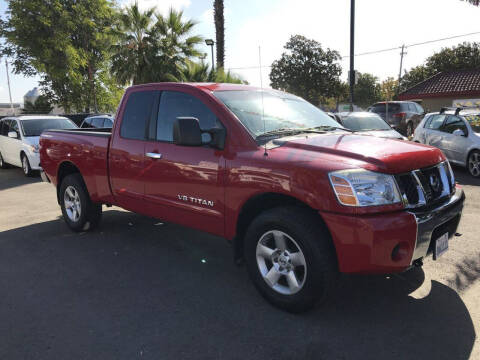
(377, 51)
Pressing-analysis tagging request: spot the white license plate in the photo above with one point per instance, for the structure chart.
(441, 245)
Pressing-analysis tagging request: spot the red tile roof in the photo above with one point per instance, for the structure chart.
(445, 84)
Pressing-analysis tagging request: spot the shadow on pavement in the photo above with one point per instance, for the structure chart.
(463, 177)
(137, 288)
(13, 177)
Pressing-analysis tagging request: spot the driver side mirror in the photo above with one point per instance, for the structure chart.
(458, 132)
(187, 132)
(13, 134)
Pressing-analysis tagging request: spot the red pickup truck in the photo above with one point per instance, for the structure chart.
(300, 197)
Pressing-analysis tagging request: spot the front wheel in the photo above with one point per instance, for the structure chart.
(474, 163)
(27, 170)
(79, 212)
(290, 258)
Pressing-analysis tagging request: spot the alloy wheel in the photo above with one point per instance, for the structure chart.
(281, 262)
(25, 165)
(474, 164)
(72, 203)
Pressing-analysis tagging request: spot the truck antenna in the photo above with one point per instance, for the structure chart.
(261, 87)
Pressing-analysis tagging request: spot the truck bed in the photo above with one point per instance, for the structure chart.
(85, 149)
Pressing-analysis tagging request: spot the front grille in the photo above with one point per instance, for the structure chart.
(425, 187)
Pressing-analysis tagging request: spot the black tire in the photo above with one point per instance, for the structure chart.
(90, 213)
(313, 239)
(3, 164)
(473, 163)
(410, 130)
(27, 169)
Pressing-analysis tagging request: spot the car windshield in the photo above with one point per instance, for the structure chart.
(281, 111)
(474, 120)
(364, 123)
(35, 127)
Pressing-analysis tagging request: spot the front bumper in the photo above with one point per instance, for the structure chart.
(390, 242)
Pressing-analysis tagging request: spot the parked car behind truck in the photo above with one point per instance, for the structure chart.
(457, 133)
(19, 138)
(299, 197)
(403, 116)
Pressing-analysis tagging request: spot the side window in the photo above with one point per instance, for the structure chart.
(1, 127)
(412, 107)
(108, 123)
(435, 122)
(97, 123)
(14, 127)
(378, 108)
(5, 127)
(419, 109)
(86, 123)
(453, 123)
(175, 104)
(136, 114)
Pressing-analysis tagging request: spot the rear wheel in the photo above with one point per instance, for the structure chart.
(79, 212)
(474, 163)
(410, 129)
(290, 258)
(27, 170)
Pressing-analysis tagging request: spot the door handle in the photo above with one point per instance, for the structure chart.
(154, 155)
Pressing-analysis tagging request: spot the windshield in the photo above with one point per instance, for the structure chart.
(364, 123)
(37, 126)
(474, 120)
(281, 111)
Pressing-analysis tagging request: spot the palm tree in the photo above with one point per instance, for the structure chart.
(133, 50)
(174, 44)
(219, 31)
(199, 72)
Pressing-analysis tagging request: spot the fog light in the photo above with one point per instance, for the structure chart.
(400, 252)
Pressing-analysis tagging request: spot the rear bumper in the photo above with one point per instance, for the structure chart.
(391, 242)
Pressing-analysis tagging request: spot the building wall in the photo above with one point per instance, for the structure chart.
(435, 104)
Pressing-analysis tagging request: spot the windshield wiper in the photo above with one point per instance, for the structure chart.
(330, 128)
(289, 131)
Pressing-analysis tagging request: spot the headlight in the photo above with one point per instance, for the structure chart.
(450, 175)
(359, 187)
(34, 148)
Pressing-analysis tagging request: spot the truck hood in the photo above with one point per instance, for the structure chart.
(377, 154)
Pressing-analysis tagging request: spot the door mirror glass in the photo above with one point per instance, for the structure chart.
(186, 132)
(458, 132)
(13, 134)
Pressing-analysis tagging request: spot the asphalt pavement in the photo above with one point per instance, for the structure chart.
(138, 288)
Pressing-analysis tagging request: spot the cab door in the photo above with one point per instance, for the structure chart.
(127, 150)
(184, 184)
(11, 147)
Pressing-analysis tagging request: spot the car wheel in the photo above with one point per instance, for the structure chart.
(410, 129)
(3, 164)
(290, 258)
(474, 163)
(27, 170)
(79, 212)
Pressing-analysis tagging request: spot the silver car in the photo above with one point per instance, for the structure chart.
(456, 133)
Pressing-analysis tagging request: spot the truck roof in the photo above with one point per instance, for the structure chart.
(207, 86)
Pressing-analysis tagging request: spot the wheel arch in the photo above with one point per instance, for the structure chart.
(257, 204)
(64, 169)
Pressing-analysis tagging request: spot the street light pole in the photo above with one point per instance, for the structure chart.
(352, 51)
(9, 90)
(210, 43)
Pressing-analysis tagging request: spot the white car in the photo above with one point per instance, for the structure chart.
(456, 133)
(19, 137)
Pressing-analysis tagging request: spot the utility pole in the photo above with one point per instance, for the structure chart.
(352, 51)
(9, 90)
(401, 65)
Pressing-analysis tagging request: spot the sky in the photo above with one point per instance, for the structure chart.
(268, 24)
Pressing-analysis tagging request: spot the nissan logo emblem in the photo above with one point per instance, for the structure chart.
(435, 182)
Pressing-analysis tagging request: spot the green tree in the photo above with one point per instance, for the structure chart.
(367, 90)
(41, 106)
(151, 47)
(307, 70)
(474, 2)
(465, 56)
(388, 89)
(219, 31)
(64, 41)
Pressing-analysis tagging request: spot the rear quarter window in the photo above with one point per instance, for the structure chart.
(136, 114)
